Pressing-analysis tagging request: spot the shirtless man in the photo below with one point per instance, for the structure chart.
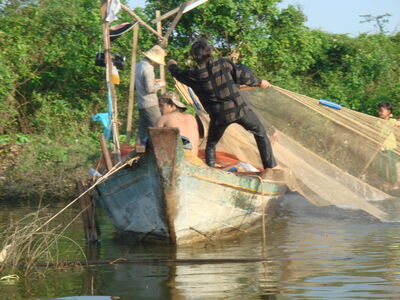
(172, 111)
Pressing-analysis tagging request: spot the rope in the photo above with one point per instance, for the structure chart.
(263, 207)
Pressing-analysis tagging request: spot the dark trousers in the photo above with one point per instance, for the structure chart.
(252, 124)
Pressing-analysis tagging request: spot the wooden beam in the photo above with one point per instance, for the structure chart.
(167, 162)
(132, 83)
(190, 6)
(143, 23)
(106, 154)
(89, 220)
(165, 16)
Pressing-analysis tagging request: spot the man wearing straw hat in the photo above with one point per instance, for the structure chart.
(146, 90)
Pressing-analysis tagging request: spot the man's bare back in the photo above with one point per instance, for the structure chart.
(186, 124)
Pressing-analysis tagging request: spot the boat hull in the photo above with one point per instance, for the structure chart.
(171, 194)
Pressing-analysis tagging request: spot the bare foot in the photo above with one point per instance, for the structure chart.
(276, 168)
(386, 186)
(270, 170)
(395, 186)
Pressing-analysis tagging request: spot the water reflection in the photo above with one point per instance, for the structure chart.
(309, 252)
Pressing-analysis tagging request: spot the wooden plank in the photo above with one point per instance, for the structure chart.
(106, 154)
(90, 225)
(164, 143)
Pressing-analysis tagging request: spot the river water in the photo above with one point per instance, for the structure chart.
(309, 253)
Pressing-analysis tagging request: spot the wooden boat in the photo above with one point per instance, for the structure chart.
(170, 194)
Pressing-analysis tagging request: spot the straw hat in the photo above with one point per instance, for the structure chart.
(174, 98)
(156, 54)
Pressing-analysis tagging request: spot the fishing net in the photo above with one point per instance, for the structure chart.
(331, 156)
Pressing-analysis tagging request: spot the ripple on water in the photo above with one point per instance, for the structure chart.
(310, 253)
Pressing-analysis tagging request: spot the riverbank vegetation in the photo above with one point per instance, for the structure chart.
(50, 87)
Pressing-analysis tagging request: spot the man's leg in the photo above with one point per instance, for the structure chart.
(142, 128)
(147, 117)
(215, 133)
(251, 123)
(153, 114)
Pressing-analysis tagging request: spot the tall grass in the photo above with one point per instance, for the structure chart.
(31, 240)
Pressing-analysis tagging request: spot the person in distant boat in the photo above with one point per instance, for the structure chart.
(173, 115)
(387, 160)
(146, 90)
(216, 82)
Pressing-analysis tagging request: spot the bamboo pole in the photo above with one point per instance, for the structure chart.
(152, 261)
(175, 21)
(132, 83)
(162, 69)
(190, 5)
(110, 85)
(144, 24)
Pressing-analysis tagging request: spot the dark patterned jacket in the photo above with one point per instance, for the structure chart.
(216, 83)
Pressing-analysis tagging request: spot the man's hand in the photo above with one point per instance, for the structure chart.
(161, 82)
(273, 138)
(171, 62)
(265, 84)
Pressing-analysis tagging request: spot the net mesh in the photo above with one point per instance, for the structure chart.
(331, 157)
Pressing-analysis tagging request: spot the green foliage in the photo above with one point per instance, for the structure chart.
(46, 48)
(356, 72)
(23, 138)
(19, 139)
(5, 139)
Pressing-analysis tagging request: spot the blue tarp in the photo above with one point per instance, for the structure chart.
(105, 118)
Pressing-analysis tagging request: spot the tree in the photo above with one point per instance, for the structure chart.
(378, 21)
(47, 52)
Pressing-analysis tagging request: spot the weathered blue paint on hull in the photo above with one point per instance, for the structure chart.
(133, 200)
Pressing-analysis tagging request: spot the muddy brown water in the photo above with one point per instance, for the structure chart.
(310, 253)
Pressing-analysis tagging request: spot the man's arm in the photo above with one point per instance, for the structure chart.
(181, 75)
(245, 76)
(161, 122)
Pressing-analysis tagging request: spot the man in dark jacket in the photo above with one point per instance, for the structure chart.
(216, 82)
